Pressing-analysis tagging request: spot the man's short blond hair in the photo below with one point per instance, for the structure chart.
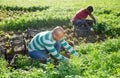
(58, 30)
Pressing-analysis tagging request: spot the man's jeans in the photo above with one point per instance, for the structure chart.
(42, 55)
(81, 22)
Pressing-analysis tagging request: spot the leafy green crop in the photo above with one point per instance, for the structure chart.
(36, 14)
(97, 60)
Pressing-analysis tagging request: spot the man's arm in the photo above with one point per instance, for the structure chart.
(85, 21)
(68, 47)
(51, 49)
(93, 18)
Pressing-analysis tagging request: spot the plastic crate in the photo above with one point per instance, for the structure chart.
(82, 31)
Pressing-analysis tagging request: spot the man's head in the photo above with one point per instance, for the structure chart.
(89, 9)
(57, 33)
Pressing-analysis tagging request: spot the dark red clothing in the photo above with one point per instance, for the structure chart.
(80, 14)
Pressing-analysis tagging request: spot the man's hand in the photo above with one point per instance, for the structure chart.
(66, 59)
(76, 54)
(94, 21)
(93, 18)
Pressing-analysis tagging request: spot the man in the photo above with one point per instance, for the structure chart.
(49, 42)
(80, 17)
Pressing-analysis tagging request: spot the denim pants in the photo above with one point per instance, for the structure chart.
(43, 54)
(81, 22)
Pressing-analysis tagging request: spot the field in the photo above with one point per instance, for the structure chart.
(99, 53)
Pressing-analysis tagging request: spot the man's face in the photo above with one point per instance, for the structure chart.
(88, 11)
(58, 37)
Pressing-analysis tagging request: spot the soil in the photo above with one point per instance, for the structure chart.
(13, 42)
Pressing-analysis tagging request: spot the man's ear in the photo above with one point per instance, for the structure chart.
(53, 35)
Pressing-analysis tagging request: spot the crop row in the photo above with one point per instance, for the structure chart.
(99, 60)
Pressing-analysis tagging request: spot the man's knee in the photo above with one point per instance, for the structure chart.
(78, 23)
(58, 46)
(37, 54)
(89, 22)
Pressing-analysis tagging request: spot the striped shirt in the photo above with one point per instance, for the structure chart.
(44, 41)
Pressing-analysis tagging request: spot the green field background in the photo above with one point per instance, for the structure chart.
(97, 60)
(21, 14)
